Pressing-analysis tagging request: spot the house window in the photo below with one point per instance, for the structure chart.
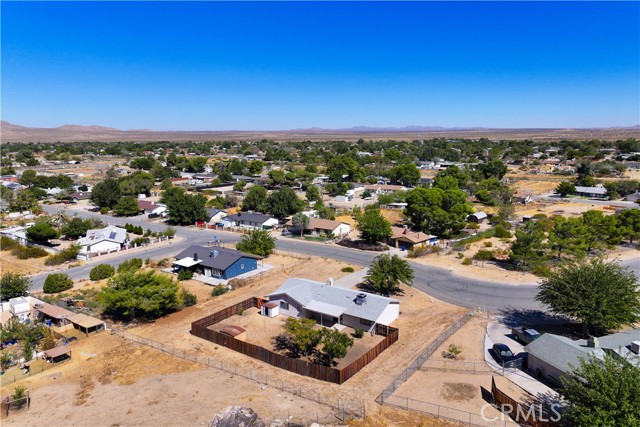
(366, 322)
(284, 305)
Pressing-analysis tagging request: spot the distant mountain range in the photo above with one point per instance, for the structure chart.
(69, 132)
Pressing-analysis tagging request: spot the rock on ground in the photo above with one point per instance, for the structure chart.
(236, 416)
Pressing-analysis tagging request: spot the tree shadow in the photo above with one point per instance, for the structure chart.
(366, 286)
(543, 322)
(284, 343)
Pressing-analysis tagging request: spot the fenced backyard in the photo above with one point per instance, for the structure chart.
(200, 328)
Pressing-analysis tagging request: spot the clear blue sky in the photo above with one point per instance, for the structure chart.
(268, 66)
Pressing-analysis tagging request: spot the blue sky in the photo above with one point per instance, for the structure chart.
(270, 66)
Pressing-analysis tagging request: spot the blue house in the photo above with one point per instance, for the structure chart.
(217, 262)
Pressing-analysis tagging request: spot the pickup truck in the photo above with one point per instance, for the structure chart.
(525, 335)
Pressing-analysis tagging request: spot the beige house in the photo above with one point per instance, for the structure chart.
(403, 237)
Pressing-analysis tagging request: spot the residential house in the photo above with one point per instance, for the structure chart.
(80, 195)
(522, 197)
(405, 238)
(150, 207)
(592, 192)
(217, 262)
(323, 226)
(215, 216)
(552, 356)
(383, 188)
(108, 239)
(333, 306)
(251, 220)
(17, 233)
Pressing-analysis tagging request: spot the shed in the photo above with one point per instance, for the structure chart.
(58, 354)
(478, 217)
(270, 309)
(86, 324)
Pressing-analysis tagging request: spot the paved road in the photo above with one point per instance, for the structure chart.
(556, 198)
(438, 282)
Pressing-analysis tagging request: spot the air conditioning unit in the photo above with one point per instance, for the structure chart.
(635, 347)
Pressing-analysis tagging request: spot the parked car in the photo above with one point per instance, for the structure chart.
(525, 335)
(502, 353)
(153, 215)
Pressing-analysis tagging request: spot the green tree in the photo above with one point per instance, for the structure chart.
(335, 344)
(437, 211)
(139, 295)
(629, 223)
(77, 227)
(14, 285)
(313, 194)
(136, 183)
(602, 392)
(387, 272)
(239, 186)
(373, 226)
(276, 177)
(257, 242)
(41, 232)
(304, 334)
(130, 265)
(568, 235)
(255, 199)
(527, 248)
(256, 167)
(101, 271)
(184, 209)
(28, 177)
(57, 282)
(565, 188)
(284, 202)
(602, 295)
(407, 174)
(300, 221)
(495, 168)
(126, 206)
(106, 194)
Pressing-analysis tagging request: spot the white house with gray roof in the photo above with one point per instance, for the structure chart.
(108, 239)
(330, 305)
(552, 356)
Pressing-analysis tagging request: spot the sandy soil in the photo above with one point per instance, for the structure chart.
(470, 337)
(560, 208)
(113, 382)
(486, 271)
(11, 264)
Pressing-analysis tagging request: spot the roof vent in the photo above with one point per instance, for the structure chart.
(330, 281)
(361, 299)
(593, 342)
(213, 254)
(635, 347)
(195, 256)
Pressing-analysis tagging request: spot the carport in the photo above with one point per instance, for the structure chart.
(86, 324)
(58, 354)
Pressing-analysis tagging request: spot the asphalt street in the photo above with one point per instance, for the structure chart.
(437, 282)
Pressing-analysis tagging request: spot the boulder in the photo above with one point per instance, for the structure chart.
(236, 416)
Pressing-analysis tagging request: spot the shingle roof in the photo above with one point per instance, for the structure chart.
(250, 217)
(591, 190)
(320, 224)
(110, 233)
(148, 205)
(223, 259)
(53, 311)
(412, 236)
(307, 291)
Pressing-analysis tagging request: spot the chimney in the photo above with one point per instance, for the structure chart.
(195, 256)
(330, 281)
(405, 231)
(593, 342)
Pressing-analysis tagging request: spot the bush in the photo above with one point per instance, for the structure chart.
(185, 274)
(7, 243)
(347, 269)
(138, 241)
(501, 232)
(358, 333)
(362, 245)
(63, 256)
(257, 242)
(101, 271)
(130, 265)
(419, 251)
(219, 290)
(188, 299)
(483, 255)
(488, 244)
(57, 282)
(27, 252)
(466, 261)
(460, 255)
(134, 229)
(472, 226)
(19, 395)
(104, 210)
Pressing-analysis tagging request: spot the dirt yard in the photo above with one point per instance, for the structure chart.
(567, 209)
(11, 264)
(113, 382)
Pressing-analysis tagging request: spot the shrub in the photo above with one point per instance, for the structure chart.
(466, 261)
(347, 269)
(455, 350)
(472, 226)
(19, 395)
(101, 271)
(219, 290)
(501, 232)
(163, 262)
(257, 242)
(134, 229)
(130, 265)
(483, 255)
(63, 256)
(57, 282)
(185, 274)
(362, 245)
(188, 299)
(104, 210)
(419, 251)
(7, 243)
(358, 333)
(488, 244)
(27, 252)
(138, 241)
(460, 255)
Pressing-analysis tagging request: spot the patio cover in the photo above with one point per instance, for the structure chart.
(325, 308)
(57, 351)
(187, 262)
(53, 311)
(84, 321)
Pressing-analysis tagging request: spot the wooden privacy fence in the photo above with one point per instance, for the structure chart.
(200, 328)
(533, 416)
